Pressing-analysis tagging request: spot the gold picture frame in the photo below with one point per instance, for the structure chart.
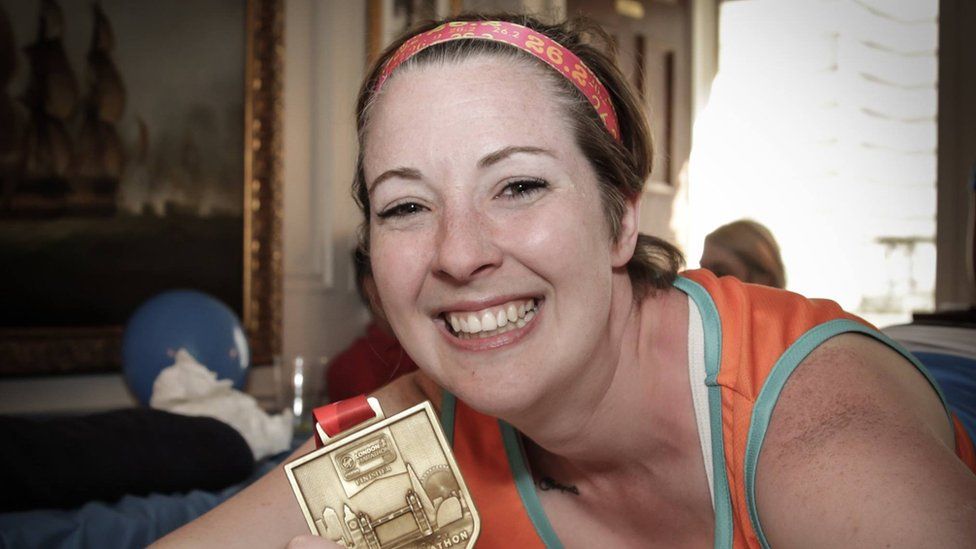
(68, 349)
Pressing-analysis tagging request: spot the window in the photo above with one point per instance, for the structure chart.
(821, 124)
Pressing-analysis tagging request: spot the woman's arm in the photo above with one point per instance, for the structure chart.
(859, 453)
(266, 513)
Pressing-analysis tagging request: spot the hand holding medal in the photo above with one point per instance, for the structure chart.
(379, 482)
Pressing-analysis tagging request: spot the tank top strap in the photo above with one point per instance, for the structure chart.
(490, 457)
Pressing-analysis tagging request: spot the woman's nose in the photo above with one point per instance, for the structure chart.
(465, 245)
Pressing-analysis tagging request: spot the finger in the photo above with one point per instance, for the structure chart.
(309, 542)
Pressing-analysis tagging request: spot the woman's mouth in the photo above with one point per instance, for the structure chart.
(491, 321)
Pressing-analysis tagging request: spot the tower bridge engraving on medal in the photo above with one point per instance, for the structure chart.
(393, 485)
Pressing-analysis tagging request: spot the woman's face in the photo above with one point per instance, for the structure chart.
(489, 247)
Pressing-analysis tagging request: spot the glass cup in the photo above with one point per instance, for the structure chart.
(299, 381)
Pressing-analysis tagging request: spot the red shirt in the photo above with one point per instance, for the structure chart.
(369, 363)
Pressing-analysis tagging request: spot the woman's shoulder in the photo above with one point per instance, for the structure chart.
(408, 390)
(857, 435)
(854, 382)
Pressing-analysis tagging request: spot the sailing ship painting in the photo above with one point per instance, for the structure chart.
(61, 174)
(121, 156)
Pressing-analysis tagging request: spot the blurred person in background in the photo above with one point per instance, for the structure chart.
(746, 250)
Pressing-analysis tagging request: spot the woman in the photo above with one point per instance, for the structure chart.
(746, 250)
(504, 179)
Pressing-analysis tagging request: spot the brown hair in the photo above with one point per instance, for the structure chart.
(753, 244)
(621, 166)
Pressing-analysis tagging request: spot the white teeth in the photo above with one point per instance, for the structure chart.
(488, 322)
(492, 321)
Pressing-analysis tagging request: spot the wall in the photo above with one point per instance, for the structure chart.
(325, 54)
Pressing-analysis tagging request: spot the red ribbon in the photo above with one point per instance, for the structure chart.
(342, 415)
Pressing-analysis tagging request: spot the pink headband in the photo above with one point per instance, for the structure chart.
(540, 46)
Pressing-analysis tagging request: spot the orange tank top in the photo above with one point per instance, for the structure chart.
(754, 337)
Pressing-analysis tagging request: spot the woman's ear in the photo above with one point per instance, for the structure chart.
(623, 248)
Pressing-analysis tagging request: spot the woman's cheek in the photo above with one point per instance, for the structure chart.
(399, 268)
(549, 232)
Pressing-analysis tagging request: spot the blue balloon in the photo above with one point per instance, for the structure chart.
(187, 319)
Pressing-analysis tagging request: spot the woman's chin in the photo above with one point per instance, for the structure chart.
(502, 400)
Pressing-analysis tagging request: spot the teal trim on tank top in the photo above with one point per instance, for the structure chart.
(448, 405)
(713, 361)
(763, 408)
(526, 488)
(516, 463)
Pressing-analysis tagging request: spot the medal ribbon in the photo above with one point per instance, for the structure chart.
(342, 415)
(535, 43)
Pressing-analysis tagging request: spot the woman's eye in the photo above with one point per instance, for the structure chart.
(401, 210)
(523, 188)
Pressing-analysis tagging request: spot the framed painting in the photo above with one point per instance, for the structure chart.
(140, 153)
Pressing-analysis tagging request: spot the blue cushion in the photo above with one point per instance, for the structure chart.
(957, 378)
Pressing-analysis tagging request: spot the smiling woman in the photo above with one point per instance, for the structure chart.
(505, 222)
(501, 162)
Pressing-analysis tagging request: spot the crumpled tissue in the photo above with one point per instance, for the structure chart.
(189, 388)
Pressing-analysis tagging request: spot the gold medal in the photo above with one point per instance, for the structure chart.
(386, 483)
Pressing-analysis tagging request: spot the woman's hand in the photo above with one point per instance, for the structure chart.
(310, 542)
